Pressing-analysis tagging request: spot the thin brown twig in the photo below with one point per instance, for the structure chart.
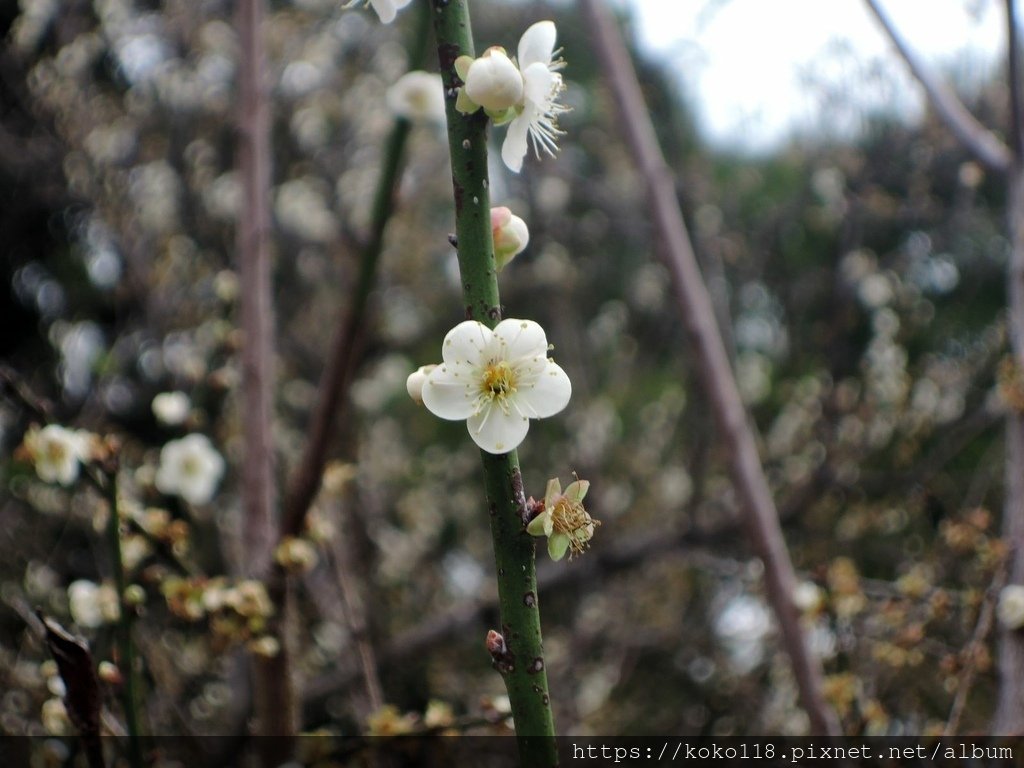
(355, 614)
(760, 516)
(982, 627)
(978, 139)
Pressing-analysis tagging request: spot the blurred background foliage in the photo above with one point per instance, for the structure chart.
(859, 284)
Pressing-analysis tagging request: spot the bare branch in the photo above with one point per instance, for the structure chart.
(760, 517)
(978, 139)
(254, 236)
(986, 618)
(1009, 714)
(274, 692)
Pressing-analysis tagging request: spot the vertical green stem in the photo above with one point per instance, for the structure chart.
(525, 676)
(126, 650)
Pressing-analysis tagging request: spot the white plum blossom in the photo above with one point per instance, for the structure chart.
(497, 380)
(525, 97)
(93, 604)
(568, 526)
(190, 468)
(537, 114)
(1011, 606)
(418, 97)
(171, 408)
(510, 234)
(494, 82)
(56, 452)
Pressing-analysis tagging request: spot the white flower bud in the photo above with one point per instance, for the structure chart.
(494, 82)
(510, 234)
(171, 408)
(414, 384)
(1011, 606)
(807, 597)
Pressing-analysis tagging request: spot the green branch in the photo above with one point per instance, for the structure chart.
(522, 664)
(126, 649)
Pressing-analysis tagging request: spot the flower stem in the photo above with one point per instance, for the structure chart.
(525, 676)
(126, 649)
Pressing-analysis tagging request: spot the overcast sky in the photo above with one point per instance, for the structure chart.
(759, 69)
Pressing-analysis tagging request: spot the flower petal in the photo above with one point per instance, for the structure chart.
(539, 83)
(536, 526)
(577, 490)
(513, 149)
(537, 44)
(496, 431)
(450, 392)
(466, 343)
(557, 546)
(385, 9)
(546, 394)
(552, 491)
(521, 339)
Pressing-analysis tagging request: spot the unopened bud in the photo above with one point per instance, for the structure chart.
(414, 384)
(510, 234)
(494, 82)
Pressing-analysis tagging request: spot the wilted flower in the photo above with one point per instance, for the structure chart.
(190, 468)
(417, 96)
(171, 408)
(510, 234)
(295, 555)
(537, 114)
(568, 526)
(1011, 606)
(56, 452)
(414, 384)
(497, 380)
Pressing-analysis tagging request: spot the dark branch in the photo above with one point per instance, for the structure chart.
(978, 139)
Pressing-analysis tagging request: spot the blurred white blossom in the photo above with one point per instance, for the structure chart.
(1011, 606)
(93, 604)
(417, 96)
(171, 408)
(56, 452)
(190, 468)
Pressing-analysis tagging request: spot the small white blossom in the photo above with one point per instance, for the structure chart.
(807, 597)
(510, 234)
(1011, 606)
(497, 380)
(171, 408)
(414, 384)
(191, 468)
(493, 81)
(537, 114)
(93, 604)
(56, 452)
(418, 97)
